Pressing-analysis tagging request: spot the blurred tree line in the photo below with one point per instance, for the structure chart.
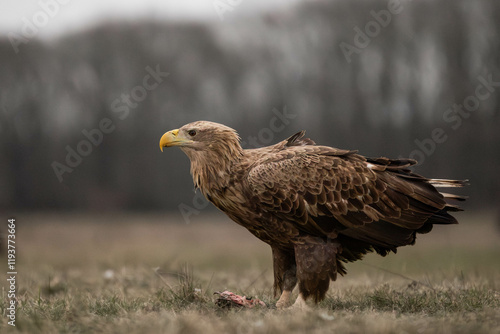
(387, 97)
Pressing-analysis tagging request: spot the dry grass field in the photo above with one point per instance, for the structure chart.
(143, 273)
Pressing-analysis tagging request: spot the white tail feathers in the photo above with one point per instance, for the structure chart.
(448, 183)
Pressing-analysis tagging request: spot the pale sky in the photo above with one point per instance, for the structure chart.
(70, 15)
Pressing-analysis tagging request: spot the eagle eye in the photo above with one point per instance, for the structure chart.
(192, 133)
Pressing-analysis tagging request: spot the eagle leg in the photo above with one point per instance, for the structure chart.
(316, 260)
(285, 275)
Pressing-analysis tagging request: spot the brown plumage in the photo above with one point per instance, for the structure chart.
(316, 206)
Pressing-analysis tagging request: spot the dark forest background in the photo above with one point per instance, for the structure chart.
(392, 95)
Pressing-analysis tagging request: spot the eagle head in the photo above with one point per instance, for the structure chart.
(201, 135)
(212, 148)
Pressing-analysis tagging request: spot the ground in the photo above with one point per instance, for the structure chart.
(144, 273)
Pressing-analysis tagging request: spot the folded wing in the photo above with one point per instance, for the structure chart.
(367, 204)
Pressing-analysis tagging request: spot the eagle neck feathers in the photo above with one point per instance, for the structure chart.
(212, 169)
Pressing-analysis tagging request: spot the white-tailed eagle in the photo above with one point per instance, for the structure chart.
(316, 206)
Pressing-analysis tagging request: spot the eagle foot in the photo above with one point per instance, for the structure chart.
(284, 300)
(300, 304)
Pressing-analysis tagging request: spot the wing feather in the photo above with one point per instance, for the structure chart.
(327, 192)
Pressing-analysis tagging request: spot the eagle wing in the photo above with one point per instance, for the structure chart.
(375, 204)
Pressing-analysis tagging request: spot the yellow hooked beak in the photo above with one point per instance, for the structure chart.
(172, 138)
